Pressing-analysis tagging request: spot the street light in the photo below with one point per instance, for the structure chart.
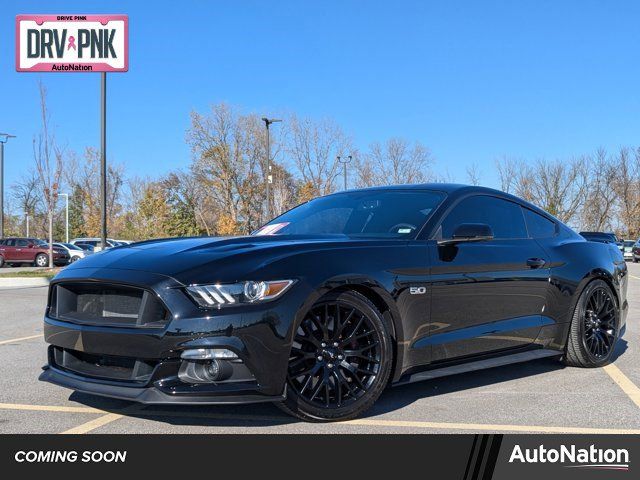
(66, 217)
(344, 162)
(4, 137)
(267, 122)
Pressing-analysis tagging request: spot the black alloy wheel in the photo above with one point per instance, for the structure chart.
(340, 359)
(600, 323)
(594, 327)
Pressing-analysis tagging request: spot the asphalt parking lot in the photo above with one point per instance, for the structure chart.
(538, 397)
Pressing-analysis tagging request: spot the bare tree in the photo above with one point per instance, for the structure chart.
(48, 159)
(82, 176)
(26, 193)
(627, 188)
(473, 174)
(508, 172)
(393, 163)
(314, 147)
(601, 196)
(228, 150)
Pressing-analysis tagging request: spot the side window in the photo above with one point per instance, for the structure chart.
(10, 243)
(21, 243)
(505, 218)
(539, 226)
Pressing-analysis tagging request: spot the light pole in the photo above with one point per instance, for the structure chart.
(4, 137)
(103, 160)
(267, 122)
(344, 162)
(66, 217)
(26, 217)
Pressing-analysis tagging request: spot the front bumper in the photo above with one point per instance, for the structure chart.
(152, 395)
(258, 335)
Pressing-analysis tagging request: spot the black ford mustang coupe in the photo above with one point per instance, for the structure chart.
(326, 305)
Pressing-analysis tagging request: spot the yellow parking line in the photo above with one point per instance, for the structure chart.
(3, 342)
(49, 408)
(487, 427)
(627, 386)
(366, 422)
(92, 425)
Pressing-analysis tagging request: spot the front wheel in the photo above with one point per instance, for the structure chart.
(340, 359)
(42, 260)
(594, 327)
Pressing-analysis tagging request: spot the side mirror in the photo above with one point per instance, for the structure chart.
(31, 245)
(469, 232)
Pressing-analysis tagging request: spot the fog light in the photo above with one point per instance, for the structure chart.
(208, 371)
(208, 354)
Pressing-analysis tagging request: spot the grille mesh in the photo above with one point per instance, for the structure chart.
(107, 305)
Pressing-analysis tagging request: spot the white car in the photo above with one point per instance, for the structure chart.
(628, 249)
(75, 253)
(95, 242)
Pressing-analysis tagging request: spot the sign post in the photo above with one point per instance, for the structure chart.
(77, 43)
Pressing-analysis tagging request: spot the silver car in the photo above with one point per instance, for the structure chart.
(75, 253)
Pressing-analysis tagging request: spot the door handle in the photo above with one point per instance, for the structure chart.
(536, 262)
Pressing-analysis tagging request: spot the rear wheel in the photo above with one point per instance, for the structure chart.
(42, 260)
(594, 327)
(1, 261)
(340, 359)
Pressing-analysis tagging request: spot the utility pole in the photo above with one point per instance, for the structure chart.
(4, 137)
(267, 122)
(103, 158)
(27, 220)
(344, 162)
(66, 217)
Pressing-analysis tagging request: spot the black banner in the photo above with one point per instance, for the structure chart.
(466, 457)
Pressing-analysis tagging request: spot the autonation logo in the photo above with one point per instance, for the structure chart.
(573, 457)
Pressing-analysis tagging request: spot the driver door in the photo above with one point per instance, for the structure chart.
(487, 296)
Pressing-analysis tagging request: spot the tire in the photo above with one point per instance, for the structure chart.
(74, 259)
(594, 327)
(338, 369)
(1, 261)
(42, 260)
(635, 260)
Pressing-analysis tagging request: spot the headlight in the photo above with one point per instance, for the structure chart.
(242, 293)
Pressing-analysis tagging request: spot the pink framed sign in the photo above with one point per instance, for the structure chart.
(72, 43)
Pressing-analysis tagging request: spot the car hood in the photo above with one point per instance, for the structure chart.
(191, 260)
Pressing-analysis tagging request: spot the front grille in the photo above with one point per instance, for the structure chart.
(105, 367)
(107, 305)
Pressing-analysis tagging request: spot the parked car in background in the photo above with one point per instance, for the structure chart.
(635, 251)
(603, 237)
(33, 251)
(628, 249)
(85, 246)
(75, 252)
(125, 242)
(96, 243)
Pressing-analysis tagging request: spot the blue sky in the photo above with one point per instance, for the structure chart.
(471, 80)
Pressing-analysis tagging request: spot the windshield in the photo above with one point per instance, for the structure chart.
(629, 243)
(71, 246)
(372, 213)
(41, 243)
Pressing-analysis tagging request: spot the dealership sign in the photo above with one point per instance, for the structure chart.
(72, 43)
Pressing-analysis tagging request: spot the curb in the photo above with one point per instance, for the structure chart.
(14, 282)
